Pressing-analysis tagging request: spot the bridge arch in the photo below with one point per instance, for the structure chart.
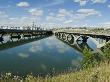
(70, 38)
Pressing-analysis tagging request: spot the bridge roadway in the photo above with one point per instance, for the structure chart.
(21, 31)
(86, 32)
(105, 34)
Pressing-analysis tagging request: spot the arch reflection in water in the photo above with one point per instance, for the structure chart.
(71, 43)
(17, 42)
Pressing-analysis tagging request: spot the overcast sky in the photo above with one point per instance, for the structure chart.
(55, 12)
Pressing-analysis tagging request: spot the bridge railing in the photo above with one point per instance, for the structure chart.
(103, 32)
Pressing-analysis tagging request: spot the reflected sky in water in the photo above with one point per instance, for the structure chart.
(91, 44)
(40, 57)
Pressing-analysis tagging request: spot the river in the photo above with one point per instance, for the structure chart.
(40, 57)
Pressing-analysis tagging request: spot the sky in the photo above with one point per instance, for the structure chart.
(55, 13)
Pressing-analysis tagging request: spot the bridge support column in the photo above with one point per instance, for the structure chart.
(107, 39)
(64, 36)
(58, 35)
(70, 38)
(1, 38)
(84, 38)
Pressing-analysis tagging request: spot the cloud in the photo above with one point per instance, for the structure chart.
(65, 17)
(68, 21)
(105, 23)
(99, 1)
(36, 12)
(64, 13)
(53, 3)
(108, 6)
(3, 18)
(84, 2)
(23, 55)
(81, 2)
(23, 20)
(36, 48)
(18, 21)
(58, 18)
(49, 18)
(68, 16)
(89, 12)
(61, 15)
(3, 14)
(23, 4)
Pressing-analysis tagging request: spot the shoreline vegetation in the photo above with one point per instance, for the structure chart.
(94, 68)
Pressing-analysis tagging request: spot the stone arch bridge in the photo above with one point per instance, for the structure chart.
(66, 36)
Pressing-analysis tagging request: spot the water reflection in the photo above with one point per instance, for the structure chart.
(10, 43)
(44, 56)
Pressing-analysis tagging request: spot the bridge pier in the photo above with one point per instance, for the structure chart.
(1, 38)
(107, 39)
(70, 38)
(61, 35)
(64, 36)
(58, 35)
(84, 38)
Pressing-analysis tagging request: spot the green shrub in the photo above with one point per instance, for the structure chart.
(106, 51)
(90, 59)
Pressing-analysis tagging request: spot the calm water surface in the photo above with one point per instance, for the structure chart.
(40, 57)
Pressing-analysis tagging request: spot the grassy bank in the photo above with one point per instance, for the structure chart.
(95, 68)
(99, 73)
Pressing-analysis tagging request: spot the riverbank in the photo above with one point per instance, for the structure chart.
(97, 74)
(95, 68)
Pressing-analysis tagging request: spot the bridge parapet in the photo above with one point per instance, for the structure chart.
(88, 31)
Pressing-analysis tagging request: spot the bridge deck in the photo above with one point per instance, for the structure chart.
(19, 31)
(88, 34)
